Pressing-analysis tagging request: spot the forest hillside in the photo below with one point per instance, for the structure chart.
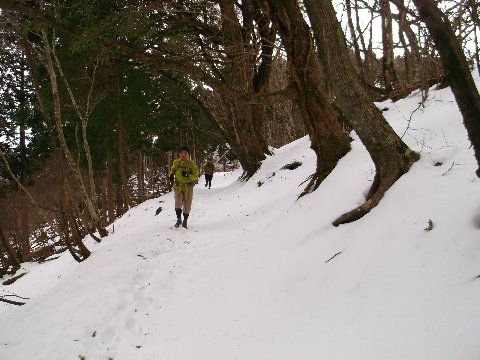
(262, 275)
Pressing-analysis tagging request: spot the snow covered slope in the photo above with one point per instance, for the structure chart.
(261, 276)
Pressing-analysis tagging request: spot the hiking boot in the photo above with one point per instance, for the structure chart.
(184, 223)
(178, 223)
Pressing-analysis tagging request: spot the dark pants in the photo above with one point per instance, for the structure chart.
(208, 180)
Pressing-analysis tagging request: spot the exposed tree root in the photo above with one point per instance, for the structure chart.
(13, 302)
(381, 183)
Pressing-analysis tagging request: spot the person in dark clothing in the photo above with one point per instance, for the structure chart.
(209, 169)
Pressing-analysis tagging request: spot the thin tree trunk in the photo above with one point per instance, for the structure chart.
(83, 252)
(65, 226)
(12, 257)
(392, 158)
(24, 231)
(476, 24)
(24, 240)
(141, 177)
(63, 143)
(356, 47)
(104, 201)
(389, 72)
(110, 190)
(412, 49)
(456, 67)
(83, 115)
(127, 202)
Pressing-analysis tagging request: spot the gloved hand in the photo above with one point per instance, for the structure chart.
(172, 178)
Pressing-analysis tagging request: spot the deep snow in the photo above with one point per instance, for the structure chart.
(261, 276)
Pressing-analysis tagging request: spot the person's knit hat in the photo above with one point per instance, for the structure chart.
(184, 148)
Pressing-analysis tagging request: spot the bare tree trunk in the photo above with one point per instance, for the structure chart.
(476, 24)
(63, 143)
(127, 201)
(392, 158)
(104, 200)
(110, 190)
(354, 35)
(77, 249)
(122, 168)
(141, 177)
(12, 257)
(24, 228)
(328, 139)
(246, 119)
(456, 67)
(412, 50)
(24, 231)
(83, 115)
(389, 72)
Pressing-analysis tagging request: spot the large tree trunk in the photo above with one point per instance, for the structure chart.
(392, 158)
(456, 67)
(246, 119)
(329, 141)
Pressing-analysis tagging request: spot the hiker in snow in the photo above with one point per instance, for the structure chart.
(183, 177)
(209, 169)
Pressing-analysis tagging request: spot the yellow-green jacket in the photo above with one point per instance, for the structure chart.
(185, 172)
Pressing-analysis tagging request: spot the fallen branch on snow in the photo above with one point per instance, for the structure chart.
(338, 253)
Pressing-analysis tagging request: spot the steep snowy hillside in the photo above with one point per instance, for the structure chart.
(261, 276)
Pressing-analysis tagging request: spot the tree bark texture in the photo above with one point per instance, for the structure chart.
(247, 119)
(12, 257)
(72, 234)
(328, 139)
(141, 176)
(110, 190)
(389, 72)
(392, 158)
(456, 67)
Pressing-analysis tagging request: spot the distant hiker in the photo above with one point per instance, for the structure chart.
(183, 177)
(209, 169)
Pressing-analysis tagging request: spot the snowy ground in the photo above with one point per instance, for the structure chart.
(261, 276)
